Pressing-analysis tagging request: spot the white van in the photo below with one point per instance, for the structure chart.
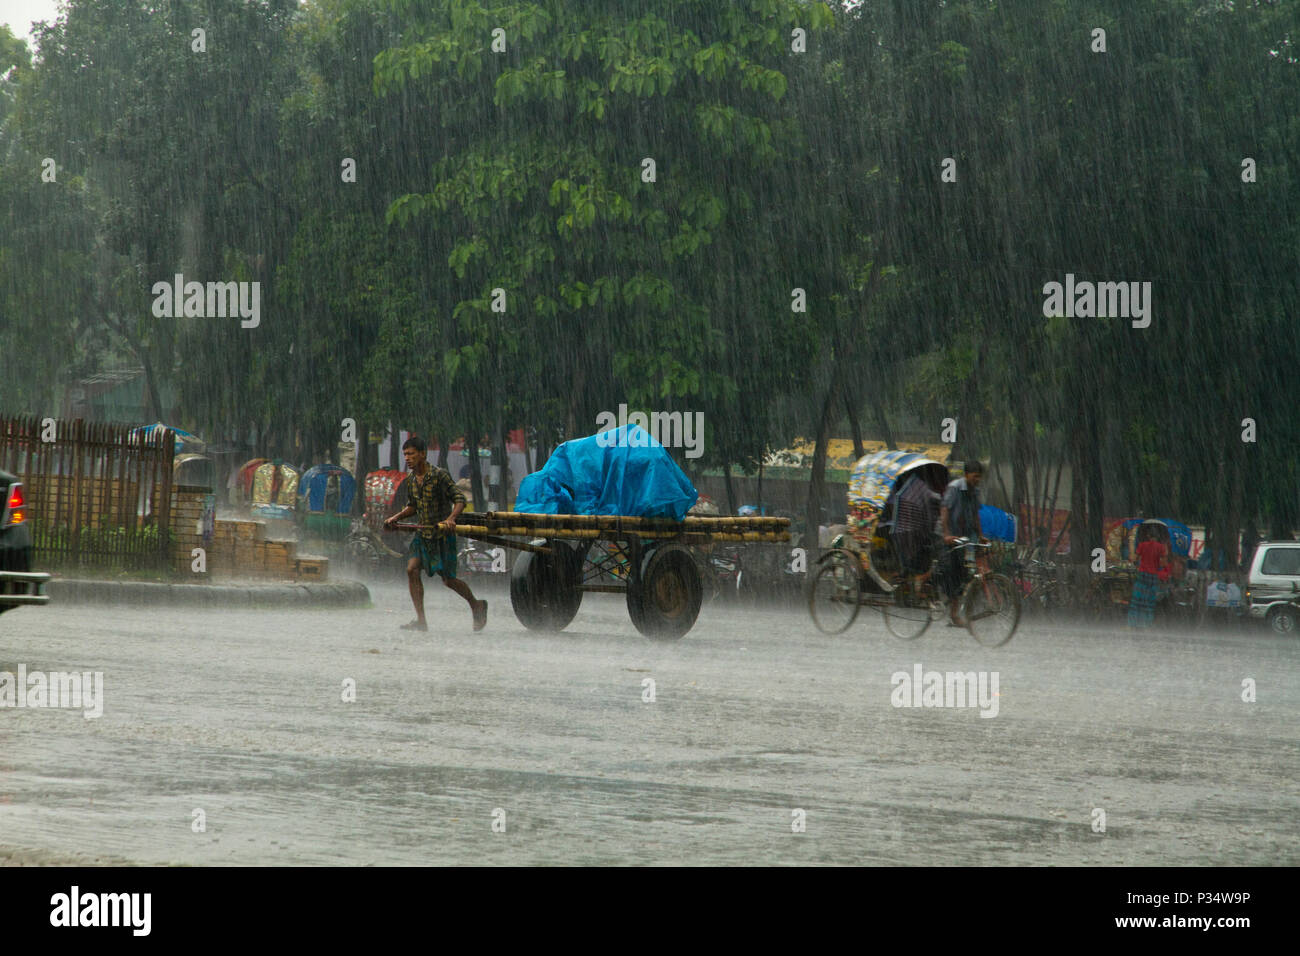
(1273, 587)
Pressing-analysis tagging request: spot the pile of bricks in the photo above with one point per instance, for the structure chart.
(241, 549)
(187, 528)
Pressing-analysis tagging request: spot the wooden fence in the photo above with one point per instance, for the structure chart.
(97, 496)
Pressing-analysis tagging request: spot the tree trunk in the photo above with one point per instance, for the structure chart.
(363, 466)
(442, 450)
(858, 448)
(156, 413)
(816, 485)
(475, 470)
(1234, 511)
(731, 492)
(1096, 483)
(1051, 506)
(882, 422)
(1078, 551)
(503, 447)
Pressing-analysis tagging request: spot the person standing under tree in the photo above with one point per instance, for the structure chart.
(1153, 557)
(435, 501)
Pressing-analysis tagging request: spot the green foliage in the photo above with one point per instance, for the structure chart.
(520, 177)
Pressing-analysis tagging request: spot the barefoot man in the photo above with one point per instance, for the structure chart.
(435, 501)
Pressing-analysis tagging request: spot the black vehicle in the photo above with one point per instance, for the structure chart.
(19, 585)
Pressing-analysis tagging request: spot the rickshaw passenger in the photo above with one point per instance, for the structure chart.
(917, 508)
(959, 517)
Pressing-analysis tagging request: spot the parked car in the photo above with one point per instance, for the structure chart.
(1273, 585)
(19, 585)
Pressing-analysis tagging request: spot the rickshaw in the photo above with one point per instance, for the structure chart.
(325, 494)
(381, 490)
(195, 471)
(1114, 588)
(275, 490)
(863, 567)
(243, 491)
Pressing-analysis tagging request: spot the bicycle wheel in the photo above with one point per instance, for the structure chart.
(836, 593)
(1042, 601)
(908, 615)
(991, 609)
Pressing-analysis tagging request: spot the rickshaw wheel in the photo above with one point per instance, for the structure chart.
(835, 594)
(909, 615)
(993, 617)
(544, 587)
(664, 600)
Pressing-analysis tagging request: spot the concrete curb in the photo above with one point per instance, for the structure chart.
(136, 593)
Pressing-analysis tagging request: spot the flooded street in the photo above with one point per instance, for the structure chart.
(240, 714)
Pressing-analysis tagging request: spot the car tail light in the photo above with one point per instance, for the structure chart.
(13, 512)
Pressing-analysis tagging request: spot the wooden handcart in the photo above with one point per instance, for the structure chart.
(652, 560)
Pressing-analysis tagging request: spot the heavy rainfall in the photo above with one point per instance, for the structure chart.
(555, 432)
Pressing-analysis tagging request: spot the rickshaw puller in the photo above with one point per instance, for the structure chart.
(959, 517)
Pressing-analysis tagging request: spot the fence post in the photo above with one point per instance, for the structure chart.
(164, 460)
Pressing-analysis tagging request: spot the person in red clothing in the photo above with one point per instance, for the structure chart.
(1153, 558)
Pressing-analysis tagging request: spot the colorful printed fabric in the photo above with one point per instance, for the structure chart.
(436, 557)
(1142, 605)
(381, 490)
(266, 490)
(872, 482)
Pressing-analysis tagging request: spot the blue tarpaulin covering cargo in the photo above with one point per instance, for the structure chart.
(623, 471)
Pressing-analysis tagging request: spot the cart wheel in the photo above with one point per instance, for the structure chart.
(836, 591)
(664, 600)
(991, 610)
(544, 587)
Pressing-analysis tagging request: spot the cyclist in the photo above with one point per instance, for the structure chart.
(959, 517)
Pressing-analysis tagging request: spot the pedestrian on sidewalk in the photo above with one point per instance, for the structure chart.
(435, 500)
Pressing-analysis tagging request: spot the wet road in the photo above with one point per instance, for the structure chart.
(756, 715)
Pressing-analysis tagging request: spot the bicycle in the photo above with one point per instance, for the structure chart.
(989, 603)
(1040, 587)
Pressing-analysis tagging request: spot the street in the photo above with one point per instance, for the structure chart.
(1106, 747)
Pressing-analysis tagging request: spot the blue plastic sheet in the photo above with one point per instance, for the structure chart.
(623, 471)
(996, 524)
